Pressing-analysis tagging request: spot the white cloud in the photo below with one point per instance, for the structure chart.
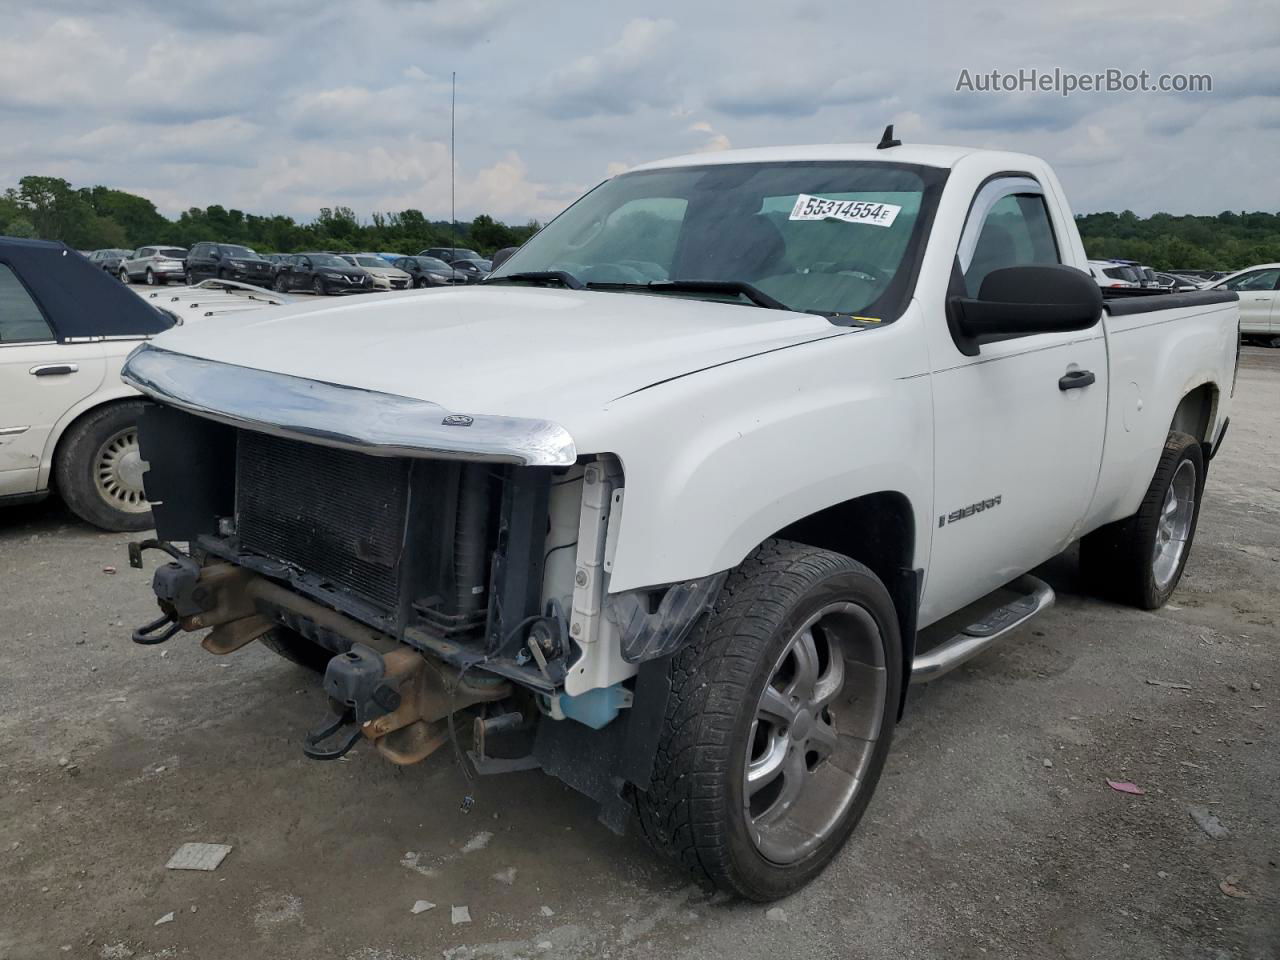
(289, 106)
(619, 79)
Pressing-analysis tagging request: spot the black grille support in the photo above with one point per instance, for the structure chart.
(518, 559)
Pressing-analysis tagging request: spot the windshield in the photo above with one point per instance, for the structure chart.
(376, 262)
(233, 250)
(431, 263)
(328, 260)
(824, 237)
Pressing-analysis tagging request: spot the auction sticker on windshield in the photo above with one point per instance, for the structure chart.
(850, 211)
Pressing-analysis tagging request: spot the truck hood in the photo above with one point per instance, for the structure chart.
(557, 355)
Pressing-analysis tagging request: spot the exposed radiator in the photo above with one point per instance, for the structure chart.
(329, 512)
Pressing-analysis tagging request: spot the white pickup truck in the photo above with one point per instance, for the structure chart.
(666, 505)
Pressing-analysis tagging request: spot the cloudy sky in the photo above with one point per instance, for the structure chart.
(290, 105)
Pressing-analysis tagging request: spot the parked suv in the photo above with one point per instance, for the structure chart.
(153, 265)
(228, 261)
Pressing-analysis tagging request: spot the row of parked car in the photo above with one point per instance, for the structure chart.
(1130, 273)
(320, 272)
(1258, 287)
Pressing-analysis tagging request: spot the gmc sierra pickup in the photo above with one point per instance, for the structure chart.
(673, 505)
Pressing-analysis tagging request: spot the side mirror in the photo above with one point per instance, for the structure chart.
(1023, 301)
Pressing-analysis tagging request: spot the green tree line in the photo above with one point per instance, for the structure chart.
(91, 218)
(1229, 241)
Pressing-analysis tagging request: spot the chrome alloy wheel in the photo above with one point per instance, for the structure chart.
(117, 472)
(1174, 528)
(815, 729)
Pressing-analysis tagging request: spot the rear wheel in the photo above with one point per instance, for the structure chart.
(778, 723)
(297, 648)
(151, 278)
(1140, 560)
(190, 278)
(99, 468)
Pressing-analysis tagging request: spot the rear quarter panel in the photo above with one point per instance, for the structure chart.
(1155, 360)
(111, 389)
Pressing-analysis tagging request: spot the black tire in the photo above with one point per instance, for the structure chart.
(78, 461)
(694, 809)
(278, 285)
(150, 278)
(421, 283)
(297, 649)
(124, 276)
(1118, 560)
(189, 277)
(318, 287)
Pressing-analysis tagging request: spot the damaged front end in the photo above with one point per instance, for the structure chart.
(443, 565)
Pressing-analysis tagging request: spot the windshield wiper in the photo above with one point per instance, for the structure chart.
(543, 276)
(739, 287)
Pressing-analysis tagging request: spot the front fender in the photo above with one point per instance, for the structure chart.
(720, 460)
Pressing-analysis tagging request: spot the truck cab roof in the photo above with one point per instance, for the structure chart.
(922, 154)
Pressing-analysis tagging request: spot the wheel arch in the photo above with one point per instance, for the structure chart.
(879, 531)
(1197, 413)
(91, 405)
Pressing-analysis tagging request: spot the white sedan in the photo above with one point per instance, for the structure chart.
(67, 422)
(1259, 290)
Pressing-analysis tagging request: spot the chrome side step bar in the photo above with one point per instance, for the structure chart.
(1037, 596)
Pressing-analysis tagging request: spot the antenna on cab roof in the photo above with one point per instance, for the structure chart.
(886, 140)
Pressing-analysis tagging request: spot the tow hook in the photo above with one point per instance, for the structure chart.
(173, 584)
(356, 682)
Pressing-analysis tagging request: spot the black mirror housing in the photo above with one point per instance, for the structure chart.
(1025, 300)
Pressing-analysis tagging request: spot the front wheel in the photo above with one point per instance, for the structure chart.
(280, 286)
(318, 288)
(421, 283)
(1140, 560)
(778, 722)
(190, 278)
(124, 275)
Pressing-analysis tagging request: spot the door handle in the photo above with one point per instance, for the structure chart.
(54, 369)
(1075, 379)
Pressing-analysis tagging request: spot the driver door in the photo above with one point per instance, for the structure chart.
(1018, 427)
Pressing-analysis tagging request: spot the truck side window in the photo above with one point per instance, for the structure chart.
(20, 318)
(1016, 231)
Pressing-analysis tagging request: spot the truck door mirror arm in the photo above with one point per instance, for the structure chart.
(1023, 301)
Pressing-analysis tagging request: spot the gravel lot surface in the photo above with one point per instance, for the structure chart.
(993, 833)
